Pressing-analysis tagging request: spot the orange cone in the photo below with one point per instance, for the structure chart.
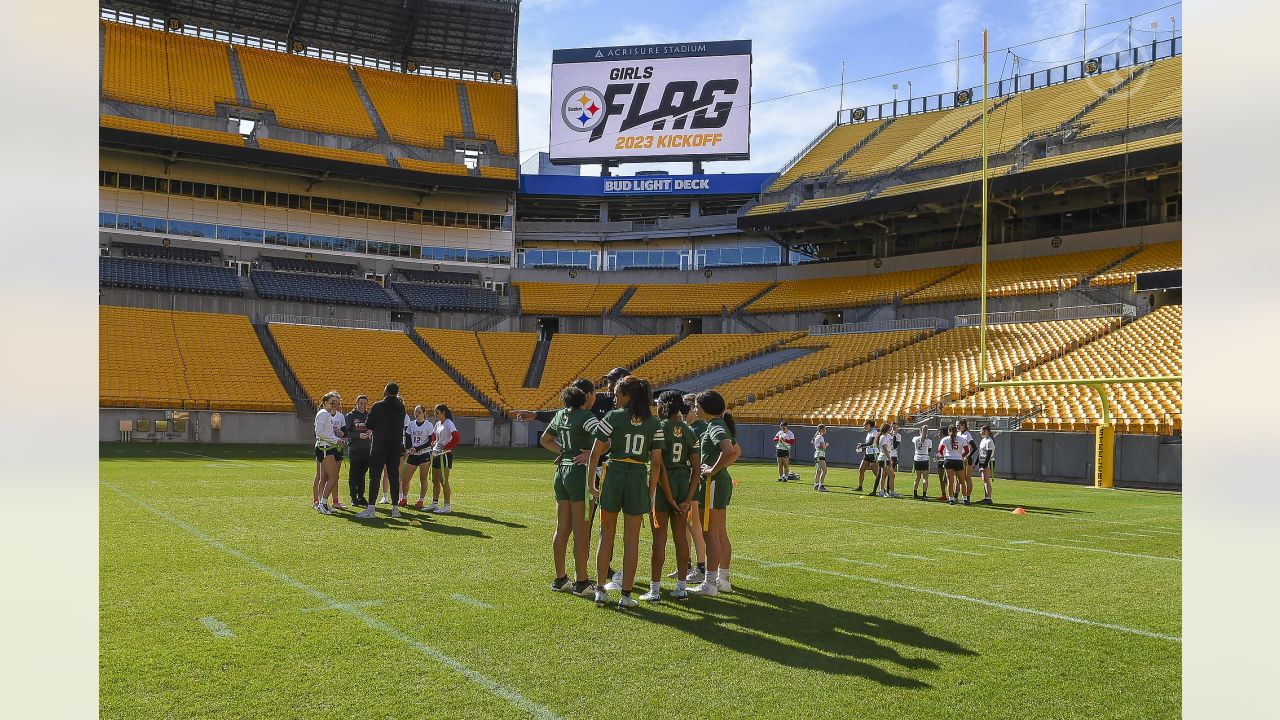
(1019, 511)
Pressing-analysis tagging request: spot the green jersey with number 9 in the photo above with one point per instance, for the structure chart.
(680, 441)
(630, 438)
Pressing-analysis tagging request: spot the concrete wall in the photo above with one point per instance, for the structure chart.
(245, 427)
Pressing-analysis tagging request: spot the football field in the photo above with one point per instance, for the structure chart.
(225, 595)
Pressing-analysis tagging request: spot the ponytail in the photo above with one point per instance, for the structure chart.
(729, 423)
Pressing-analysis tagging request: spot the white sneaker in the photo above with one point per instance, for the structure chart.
(382, 498)
(366, 513)
(324, 509)
(626, 601)
(651, 596)
(444, 509)
(395, 511)
(723, 585)
(894, 495)
(602, 597)
(695, 576)
(617, 577)
(706, 588)
(679, 594)
(432, 507)
(613, 585)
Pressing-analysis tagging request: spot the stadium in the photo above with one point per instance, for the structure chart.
(303, 198)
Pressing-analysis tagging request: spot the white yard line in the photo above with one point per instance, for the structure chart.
(217, 627)
(488, 684)
(910, 557)
(467, 600)
(867, 563)
(961, 552)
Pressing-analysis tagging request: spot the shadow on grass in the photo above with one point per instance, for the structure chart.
(487, 519)
(1031, 509)
(803, 634)
(427, 522)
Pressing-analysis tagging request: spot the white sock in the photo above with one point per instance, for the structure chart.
(723, 574)
(655, 585)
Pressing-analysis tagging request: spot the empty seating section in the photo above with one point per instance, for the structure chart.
(903, 139)
(167, 276)
(161, 252)
(625, 351)
(438, 276)
(179, 131)
(1022, 276)
(1148, 347)
(959, 179)
(1153, 96)
(922, 375)
(1033, 111)
(305, 93)
(508, 355)
(1152, 258)
(322, 359)
(500, 173)
(843, 292)
(423, 296)
(461, 350)
(326, 289)
(827, 151)
(568, 299)
(766, 208)
(328, 153)
(587, 356)
(430, 166)
(293, 264)
(493, 113)
(814, 203)
(683, 300)
(697, 354)
(836, 352)
(184, 360)
(415, 110)
(1067, 158)
(165, 70)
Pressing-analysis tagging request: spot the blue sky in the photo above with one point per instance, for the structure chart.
(798, 46)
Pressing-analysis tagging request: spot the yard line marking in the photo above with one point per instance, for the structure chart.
(744, 576)
(961, 552)
(490, 685)
(1021, 542)
(465, 600)
(980, 601)
(868, 563)
(217, 627)
(794, 563)
(1128, 534)
(910, 557)
(1109, 552)
(344, 606)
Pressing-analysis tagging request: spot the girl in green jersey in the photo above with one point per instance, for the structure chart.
(694, 516)
(717, 442)
(677, 482)
(570, 432)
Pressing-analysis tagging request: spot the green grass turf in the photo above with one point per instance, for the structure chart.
(453, 617)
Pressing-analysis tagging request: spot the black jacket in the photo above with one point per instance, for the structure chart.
(386, 420)
(355, 425)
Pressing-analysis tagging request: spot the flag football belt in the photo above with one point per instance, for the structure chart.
(626, 460)
(325, 445)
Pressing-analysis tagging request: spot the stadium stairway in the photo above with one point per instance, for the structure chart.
(856, 147)
(615, 312)
(464, 107)
(494, 409)
(756, 323)
(533, 378)
(301, 402)
(1071, 122)
(365, 100)
(728, 373)
(237, 76)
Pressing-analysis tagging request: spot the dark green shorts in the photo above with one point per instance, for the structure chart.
(723, 492)
(625, 489)
(678, 477)
(571, 483)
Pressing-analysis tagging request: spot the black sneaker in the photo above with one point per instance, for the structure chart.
(822, 488)
(561, 584)
(585, 588)
(985, 501)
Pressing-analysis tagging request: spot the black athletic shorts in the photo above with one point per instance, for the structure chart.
(417, 458)
(784, 453)
(922, 465)
(982, 463)
(869, 459)
(334, 451)
(954, 464)
(442, 461)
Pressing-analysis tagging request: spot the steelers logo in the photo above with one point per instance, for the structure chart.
(583, 109)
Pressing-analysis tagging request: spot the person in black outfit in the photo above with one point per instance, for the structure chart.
(358, 447)
(386, 422)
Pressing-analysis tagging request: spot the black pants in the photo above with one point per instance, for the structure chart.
(358, 467)
(388, 458)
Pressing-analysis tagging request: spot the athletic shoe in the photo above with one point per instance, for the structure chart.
(695, 576)
(404, 502)
(915, 495)
(781, 480)
(966, 501)
(723, 585)
(678, 594)
(823, 488)
(707, 588)
(602, 597)
(985, 501)
(951, 501)
(432, 507)
(586, 588)
(562, 585)
(617, 576)
(366, 513)
(651, 596)
(418, 505)
(626, 601)
(382, 498)
(395, 511)
(895, 495)
(337, 505)
(444, 509)
(858, 489)
(612, 585)
(322, 509)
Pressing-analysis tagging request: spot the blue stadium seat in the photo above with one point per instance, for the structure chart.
(168, 276)
(439, 276)
(310, 266)
(160, 252)
(421, 296)
(328, 289)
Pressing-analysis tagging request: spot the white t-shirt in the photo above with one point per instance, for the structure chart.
(325, 425)
(922, 445)
(952, 450)
(444, 433)
(965, 437)
(886, 446)
(869, 446)
(420, 436)
(819, 452)
(784, 439)
(986, 446)
(339, 423)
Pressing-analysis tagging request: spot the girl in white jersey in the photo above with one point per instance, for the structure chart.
(421, 436)
(783, 441)
(952, 450)
(966, 477)
(986, 462)
(328, 444)
(820, 459)
(921, 446)
(442, 459)
(339, 429)
(885, 458)
(868, 449)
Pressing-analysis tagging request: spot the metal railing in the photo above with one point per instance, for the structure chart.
(927, 323)
(1078, 312)
(334, 322)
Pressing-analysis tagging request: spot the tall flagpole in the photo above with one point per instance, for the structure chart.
(841, 91)
(982, 322)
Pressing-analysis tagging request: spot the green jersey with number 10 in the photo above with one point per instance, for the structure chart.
(630, 438)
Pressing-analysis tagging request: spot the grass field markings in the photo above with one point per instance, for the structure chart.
(910, 557)
(1128, 534)
(867, 563)
(467, 600)
(961, 552)
(487, 683)
(1011, 542)
(344, 606)
(791, 564)
(743, 575)
(1120, 553)
(980, 601)
(217, 627)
